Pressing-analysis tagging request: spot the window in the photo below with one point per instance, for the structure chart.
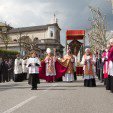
(35, 39)
(51, 34)
(15, 40)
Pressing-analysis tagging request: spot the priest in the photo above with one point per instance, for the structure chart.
(51, 68)
(105, 63)
(88, 61)
(69, 75)
(110, 69)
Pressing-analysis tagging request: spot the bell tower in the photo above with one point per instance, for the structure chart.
(54, 20)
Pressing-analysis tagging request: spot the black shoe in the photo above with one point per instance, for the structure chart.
(34, 89)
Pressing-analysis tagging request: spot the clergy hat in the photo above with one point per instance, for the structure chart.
(48, 50)
(87, 49)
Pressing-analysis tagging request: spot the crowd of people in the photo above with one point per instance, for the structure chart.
(99, 65)
(105, 66)
(20, 69)
(53, 68)
(6, 69)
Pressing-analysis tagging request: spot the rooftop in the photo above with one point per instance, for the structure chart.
(32, 28)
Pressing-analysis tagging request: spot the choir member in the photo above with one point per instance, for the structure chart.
(18, 77)
(24, 68)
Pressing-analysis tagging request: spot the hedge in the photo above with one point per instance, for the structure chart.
(8, 53)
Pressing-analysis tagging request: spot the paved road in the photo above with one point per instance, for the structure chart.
(55, 98)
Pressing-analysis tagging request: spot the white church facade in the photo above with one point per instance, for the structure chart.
(40, 37)
(43, 36)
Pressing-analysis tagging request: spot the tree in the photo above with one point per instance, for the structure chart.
(97, 33)
(28, 44)
(25, 42)
(19, 38)
(4, 31)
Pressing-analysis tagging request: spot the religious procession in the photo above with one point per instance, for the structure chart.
(56, 56)
(54, 68)
(51, 68)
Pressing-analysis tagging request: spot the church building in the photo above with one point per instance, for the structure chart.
(39, 38)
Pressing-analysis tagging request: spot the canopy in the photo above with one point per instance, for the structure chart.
(75, 34)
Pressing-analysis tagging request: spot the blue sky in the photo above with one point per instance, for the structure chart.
(71, 14)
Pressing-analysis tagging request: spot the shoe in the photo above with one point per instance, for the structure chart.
(34, 89)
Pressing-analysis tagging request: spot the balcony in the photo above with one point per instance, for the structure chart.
(49, 41)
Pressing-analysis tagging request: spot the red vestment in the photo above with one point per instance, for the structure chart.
(110, 60)
(105, 61)
(60, 70)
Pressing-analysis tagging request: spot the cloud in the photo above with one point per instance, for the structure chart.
(72, 14)
(22, 13)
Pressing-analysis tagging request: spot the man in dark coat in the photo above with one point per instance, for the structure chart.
(4, 70)
(11, 68)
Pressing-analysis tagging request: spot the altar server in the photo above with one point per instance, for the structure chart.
(33, 65)
(18, 69)
(24, 68)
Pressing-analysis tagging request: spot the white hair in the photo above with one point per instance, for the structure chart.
(108, 45)
(111, 41)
